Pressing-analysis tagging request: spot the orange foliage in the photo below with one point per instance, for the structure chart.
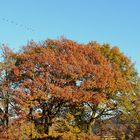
(65, 71)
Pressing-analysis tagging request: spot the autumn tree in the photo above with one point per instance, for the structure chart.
(7, 110)
(58, 78)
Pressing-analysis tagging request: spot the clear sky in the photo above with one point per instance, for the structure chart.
(116, 22)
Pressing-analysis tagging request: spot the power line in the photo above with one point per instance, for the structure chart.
(18, 24)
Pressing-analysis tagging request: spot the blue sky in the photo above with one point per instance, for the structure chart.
(116, 22)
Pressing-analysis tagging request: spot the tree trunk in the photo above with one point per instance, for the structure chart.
(30, 116)
(46, 125)
(6, 116)
(45, 120)
(90, 127)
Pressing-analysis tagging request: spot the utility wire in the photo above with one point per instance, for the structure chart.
(17, 24)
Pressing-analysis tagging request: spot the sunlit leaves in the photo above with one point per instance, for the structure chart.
(48, 79)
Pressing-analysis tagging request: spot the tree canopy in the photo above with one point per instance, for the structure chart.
(68, 84)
